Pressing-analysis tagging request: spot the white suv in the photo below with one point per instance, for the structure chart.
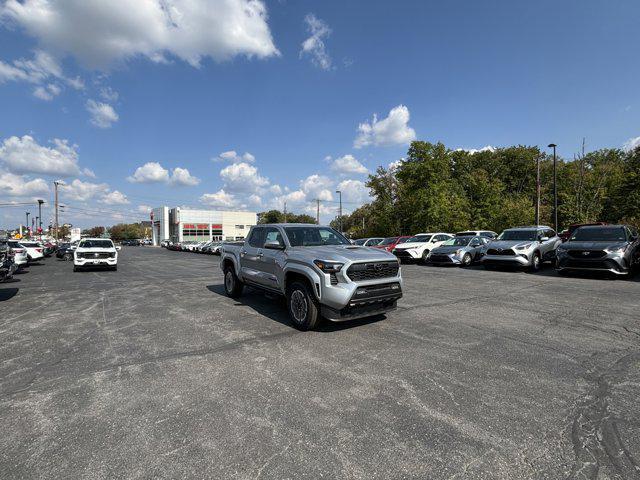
(95, 252)
(418, 247)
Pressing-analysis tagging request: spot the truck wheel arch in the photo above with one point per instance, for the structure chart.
(295, 275)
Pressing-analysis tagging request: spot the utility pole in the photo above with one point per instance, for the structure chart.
(340, 210)
(537, 222)
(318, 211)
(555, 187)
(27, 224)
(285, 212)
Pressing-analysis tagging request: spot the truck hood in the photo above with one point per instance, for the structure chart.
(96, 249)
(342, 253)
(592, 245)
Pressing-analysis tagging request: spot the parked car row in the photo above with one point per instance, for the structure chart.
(597, 247)
(211, 247)
(17, 254)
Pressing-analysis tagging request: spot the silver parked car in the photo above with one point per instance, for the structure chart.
(460, 250)
(526, 247)
(368, 242)
(609, 248)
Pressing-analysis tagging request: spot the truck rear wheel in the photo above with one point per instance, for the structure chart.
(303, 306)
(232, 284)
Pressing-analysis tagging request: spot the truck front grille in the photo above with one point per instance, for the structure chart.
(495, 251)
(95, 255)
(372, 271)
(587, 253)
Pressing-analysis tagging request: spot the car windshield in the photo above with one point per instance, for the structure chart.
(518, 235)
(458, 242)
(360, 241)
(419, 239)
(96, 244)
(615, 234)
(314, 236)
(389, 241)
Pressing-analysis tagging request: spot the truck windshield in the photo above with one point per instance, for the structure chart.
(518, 235)
(606, 234)
(314, 236)
(96, 244)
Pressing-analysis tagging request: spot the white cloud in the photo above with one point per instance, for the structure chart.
(348, 164)
(100, 34)
(354, 191)
(114, 198)
(314, 46)
(108, 94)
(102, 114)
(47, 92)
(233, 156)
(144, 209)
(393, 166)
(83, 191)
(25, 155)
(242, 177)
(181, 176)
(19, 186)
(631, 144)
(473, 151)
(220, 199)
(153, 172)
(150, 172)
(392, 130)
(87, 172)
(317, 187)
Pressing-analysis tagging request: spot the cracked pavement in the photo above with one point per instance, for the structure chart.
(151, 371)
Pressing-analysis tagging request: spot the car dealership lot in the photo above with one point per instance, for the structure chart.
(151, 371)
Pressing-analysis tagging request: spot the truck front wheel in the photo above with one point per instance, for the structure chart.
(232, 284)
(303, 306)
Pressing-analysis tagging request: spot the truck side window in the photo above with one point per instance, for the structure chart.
(257, 235)
(273, 235)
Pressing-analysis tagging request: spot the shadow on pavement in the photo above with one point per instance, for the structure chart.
(8, 293)
(275, 308)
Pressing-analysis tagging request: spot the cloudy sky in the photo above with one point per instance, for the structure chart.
(246, 104)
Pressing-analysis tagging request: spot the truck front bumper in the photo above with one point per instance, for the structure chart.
(365, 301)
(95, 262)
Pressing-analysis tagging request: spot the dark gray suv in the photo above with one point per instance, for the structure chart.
(609, 248)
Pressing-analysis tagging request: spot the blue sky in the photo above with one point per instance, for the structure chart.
(113, 98)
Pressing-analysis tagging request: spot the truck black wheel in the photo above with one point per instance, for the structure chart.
(232, 284)
(303, 306)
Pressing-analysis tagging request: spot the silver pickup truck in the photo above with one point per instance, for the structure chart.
(317, 270)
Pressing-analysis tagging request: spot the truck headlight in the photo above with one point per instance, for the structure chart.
(328, 267)
(524, 247)
(617, 250)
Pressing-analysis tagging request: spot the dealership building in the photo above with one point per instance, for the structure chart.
(186, 225)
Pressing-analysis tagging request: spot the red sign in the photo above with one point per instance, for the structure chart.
(216, 227)
(188, 225)
(203, 226)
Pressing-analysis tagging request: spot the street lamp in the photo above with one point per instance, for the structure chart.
(39, 225)
(555, 187)
(27, 225)
(340, 210)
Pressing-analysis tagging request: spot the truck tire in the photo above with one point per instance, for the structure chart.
(232, 284)
(303, 306)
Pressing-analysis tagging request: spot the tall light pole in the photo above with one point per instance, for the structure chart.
(555, 187)
(39, 225)
(340, 209)
(27, 225)
(537, 190)
(56, 183)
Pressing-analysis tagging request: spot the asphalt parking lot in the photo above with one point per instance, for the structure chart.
(151, 371)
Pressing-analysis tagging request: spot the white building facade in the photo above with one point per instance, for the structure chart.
(187, 225)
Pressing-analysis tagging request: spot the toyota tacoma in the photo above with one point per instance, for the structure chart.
(318, 271)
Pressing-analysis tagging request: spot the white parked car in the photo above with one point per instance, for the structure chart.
(19, 254)
(95, 252)
(35, 251)
(418, 247)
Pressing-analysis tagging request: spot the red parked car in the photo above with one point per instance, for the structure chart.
(390, 243)
(566, 234)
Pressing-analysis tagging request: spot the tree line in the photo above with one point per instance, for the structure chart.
(439, 189)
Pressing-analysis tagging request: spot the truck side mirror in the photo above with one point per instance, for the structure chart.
(274, 245)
